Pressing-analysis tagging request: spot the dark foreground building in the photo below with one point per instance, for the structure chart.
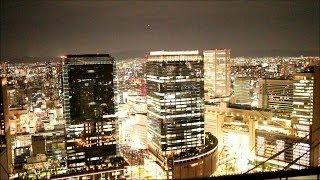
(91, 124)
(3, 131)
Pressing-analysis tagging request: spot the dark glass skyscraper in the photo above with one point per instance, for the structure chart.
(89, 109)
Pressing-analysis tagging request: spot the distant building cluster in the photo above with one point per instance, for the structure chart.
(169, 115)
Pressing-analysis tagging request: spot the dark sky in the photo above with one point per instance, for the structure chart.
(46, 28)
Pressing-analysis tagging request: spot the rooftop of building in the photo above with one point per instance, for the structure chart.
(222, 51)
(173, 53)
(85, 55)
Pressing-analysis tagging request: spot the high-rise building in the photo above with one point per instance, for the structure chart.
(306, 114)
(176, 110)
(175, 100)
(89, 110)
(274, 134)
(295, 125)
(217, 82)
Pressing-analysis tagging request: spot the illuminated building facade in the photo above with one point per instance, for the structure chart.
(303, 103)
(213, 120)
(273, 136)
(305, 115)
(235, 128)
(276, 95)
(217, 82)
(175, 100)
(89, 110)
(295, 123)
(175, 109)
(276, 136)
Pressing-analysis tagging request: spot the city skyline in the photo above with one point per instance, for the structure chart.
(42, 29)
(89, 116)
(159, 90)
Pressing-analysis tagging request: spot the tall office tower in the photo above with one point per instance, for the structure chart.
(176, 110)
(89, 110)
(306, 113)
(217, 80)
(175, 100)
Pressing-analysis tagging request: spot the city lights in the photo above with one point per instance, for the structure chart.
(159, 90)
(157, 118)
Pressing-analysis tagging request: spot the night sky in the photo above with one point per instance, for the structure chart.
(133, 28)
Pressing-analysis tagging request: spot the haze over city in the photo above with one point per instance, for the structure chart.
(131, 28)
